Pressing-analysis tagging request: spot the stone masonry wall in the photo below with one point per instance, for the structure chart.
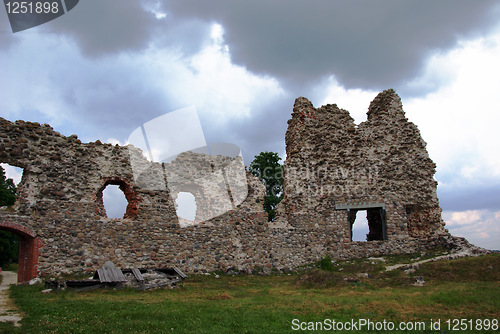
(333, 164)
(333, 168)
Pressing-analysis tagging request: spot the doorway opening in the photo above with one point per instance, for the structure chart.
(28, 247)
(9, 249)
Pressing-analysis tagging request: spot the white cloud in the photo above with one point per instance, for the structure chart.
(356, 101)
(14, 173)
(114, 141)
(480, 227)
(460, 119)
(462, 218)
(154, 7)
(212, 83)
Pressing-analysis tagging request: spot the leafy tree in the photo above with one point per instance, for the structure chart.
(266, 166)
(9, 248)
(9, 242)
(7, 190)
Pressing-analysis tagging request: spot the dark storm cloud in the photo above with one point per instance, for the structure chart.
(112, 26)
(365, 44)
(264, 131)
(102, 27)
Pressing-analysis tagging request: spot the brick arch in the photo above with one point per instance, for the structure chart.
(29, 250)
(130, 194)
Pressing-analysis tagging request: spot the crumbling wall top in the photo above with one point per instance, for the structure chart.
(332, 161)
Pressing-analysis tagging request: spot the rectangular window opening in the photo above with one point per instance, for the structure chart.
(367, 224)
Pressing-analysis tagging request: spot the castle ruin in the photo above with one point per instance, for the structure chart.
(333, 169)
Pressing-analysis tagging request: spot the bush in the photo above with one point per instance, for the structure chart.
(325, 264)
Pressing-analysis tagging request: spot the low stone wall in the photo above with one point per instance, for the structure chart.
(246, 243)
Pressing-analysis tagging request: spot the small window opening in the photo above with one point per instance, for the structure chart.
(114, 200)
(186, 206)
(10, 177)
(367, 225)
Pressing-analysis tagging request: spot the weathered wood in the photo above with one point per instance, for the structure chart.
(137, 274)
(180, 273)
(112, 275)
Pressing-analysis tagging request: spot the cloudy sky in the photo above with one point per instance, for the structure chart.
(108, 66)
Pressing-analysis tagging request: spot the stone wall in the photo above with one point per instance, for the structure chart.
(333, 169)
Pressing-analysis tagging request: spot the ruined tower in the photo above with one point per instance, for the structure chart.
(335, 168)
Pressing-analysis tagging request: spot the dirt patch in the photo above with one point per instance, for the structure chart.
(318, 278)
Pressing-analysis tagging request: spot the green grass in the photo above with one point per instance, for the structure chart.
(11, 267)
(268, 304)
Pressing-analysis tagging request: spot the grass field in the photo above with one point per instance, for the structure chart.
(348, 291)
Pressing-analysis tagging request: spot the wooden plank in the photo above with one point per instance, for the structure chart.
(180, 273)
(100, 275)
(137, 274)
(118, 275)
(110, 275)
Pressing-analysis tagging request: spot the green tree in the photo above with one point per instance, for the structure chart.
(9, 248)
(266, 166)
(7, 190)
(9, 242)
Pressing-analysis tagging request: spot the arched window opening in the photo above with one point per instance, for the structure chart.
(360, 229)
(10, 177)
(114, 200)
(186, 206)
